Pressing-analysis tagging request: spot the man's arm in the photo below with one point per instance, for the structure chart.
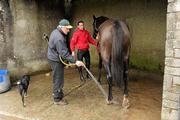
(63, 51)
(73, 42)
(91, 40)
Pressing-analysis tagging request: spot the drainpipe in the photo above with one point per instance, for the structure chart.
(67, 7)
(68, 15)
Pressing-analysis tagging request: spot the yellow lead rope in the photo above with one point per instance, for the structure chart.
(66, 64)
(45, 37)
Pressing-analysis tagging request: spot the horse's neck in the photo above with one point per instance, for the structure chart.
(102, 21)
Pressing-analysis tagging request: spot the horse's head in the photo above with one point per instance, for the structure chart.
(97, 21)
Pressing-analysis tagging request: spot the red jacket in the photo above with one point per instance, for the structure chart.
(81, 40)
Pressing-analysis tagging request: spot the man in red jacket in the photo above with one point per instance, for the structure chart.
(80, 41)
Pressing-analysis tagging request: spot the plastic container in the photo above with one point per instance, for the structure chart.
(5, 84)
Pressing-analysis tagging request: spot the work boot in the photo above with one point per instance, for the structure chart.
(61, 102)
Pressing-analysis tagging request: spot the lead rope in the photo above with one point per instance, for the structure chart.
(67, 64)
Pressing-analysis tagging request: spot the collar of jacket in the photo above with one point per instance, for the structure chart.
(80, 29)
(61, 32)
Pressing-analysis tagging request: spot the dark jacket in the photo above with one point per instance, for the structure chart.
(57, 47)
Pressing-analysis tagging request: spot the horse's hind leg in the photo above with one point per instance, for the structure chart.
(125, 78)
(109, 79)
(125, 92)
(87, 61)
(99, 69)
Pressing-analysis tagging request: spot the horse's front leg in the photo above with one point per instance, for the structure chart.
(99, 68)
(109, 79)
(82, 78)
(125, 103)
(80, 69)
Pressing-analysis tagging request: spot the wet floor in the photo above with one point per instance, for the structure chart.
(86, 102)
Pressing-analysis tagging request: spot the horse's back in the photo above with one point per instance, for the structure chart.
(108, 24)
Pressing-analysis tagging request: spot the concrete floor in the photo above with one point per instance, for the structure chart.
(86, 102)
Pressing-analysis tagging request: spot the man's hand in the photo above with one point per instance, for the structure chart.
(79, 63)
(73, 53)
(97, 36)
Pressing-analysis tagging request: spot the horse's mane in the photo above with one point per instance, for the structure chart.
(100, 20)
(103, 18)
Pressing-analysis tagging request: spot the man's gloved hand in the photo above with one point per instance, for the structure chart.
(79, 63)
(97, 36)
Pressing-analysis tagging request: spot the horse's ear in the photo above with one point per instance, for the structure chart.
(94, 17)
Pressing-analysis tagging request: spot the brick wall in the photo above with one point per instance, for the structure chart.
(171, 88)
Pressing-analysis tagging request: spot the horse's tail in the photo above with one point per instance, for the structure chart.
(117, 54)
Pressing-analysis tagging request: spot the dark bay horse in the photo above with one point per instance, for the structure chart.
(114, 48)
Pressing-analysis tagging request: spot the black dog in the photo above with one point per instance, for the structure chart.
(22, 85)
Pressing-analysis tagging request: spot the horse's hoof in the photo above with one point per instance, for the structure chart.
(99, 82)
(126, 104)
(24, 105)
(82, 78)
(109, 102)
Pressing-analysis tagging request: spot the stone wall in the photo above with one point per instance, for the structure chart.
(147, 22)
(23, 51)
(5, 33)
(171, 88)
